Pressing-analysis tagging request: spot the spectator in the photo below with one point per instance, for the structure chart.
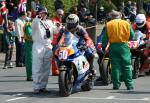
(58, 4)
(120, 57)
(4, 13)
(86, 17)
(43, 30)
(57, 20)
(83, 3)
(132, 15)
(101, 15)
(35, 5)
(19, 25)
(74, 10)
(1, 21)
(9, 39)
(29, 16)
(28, 46)
(14, 13)
(10, 5)
(127, 8)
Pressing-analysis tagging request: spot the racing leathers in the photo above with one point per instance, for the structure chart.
(145, 29)
(82, 34)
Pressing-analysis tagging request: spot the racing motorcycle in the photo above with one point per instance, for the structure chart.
(74, 73)
(135, 58)
(137, 46)
(145, 58)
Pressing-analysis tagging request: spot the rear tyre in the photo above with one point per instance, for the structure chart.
(88, 85)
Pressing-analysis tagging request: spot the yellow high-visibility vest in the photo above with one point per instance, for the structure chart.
(118, 31)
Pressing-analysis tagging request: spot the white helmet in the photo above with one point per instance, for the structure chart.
(72, 21)
(140, 20)
(102, 8)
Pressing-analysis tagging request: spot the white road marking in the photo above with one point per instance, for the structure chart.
(13, 99)
(111, 98)
(19, 94)
(146, 99)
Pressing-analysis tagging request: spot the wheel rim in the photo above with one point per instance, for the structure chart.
(69, 82)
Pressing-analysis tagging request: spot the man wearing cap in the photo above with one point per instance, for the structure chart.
(42, 34)
(118, 33)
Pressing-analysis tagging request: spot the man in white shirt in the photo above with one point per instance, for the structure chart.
(19, 25)
(43, 30)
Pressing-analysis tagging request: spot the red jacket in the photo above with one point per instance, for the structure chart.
(56, 20)
(148, 18)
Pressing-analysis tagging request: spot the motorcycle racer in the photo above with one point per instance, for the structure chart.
(142, 25)
(72, 25)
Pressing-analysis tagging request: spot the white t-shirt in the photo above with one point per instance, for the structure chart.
(19, 25)
(39, 32)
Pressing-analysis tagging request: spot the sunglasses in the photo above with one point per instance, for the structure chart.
(60, 14)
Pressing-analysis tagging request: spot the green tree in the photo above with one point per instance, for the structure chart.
(49, 4)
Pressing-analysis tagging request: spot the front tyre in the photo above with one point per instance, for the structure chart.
(136, 66)
(65, 83)
(106, 72)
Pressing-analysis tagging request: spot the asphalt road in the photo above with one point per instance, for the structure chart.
(15, 89)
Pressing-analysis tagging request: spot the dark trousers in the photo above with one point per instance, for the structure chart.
(8, 56)
(20, 54)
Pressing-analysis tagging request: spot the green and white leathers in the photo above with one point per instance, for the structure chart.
(118, 33)
(28, 49)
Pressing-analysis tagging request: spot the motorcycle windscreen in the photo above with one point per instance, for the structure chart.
(139, 35)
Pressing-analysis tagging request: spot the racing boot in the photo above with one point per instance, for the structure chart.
(92, 69)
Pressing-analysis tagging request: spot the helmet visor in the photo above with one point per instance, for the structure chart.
(71, 26)
(140, 24)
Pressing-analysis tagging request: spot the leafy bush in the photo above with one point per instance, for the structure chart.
(146, 1)
(49, 4)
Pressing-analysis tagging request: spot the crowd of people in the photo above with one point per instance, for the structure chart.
(36, 38)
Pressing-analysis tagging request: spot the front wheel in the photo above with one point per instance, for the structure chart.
(136, 66)
(105, 70)
(65, 83)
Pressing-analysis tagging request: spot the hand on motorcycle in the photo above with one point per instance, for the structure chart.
(82, 45)
(103, 51)
(99, 46)
(100, 49)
